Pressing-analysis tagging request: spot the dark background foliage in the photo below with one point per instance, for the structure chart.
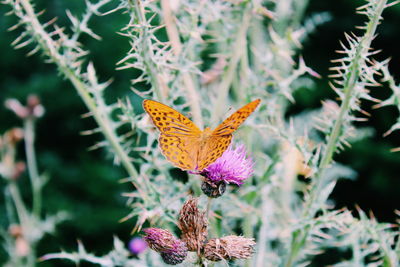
(85, 183)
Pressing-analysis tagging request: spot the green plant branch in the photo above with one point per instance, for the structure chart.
(36, 180)
(227, 78)
(146, 52)
(348, 88)
(300, 236)
(103, 120)
(173, 36)
(23, 219)
(22, 212)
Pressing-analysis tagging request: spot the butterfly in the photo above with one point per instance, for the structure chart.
(184, 144)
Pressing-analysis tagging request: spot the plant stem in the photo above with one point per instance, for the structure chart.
(15, 194)
(208, 208)
(299, 238)
(262, 239)
(24, 220)
(36, 182)
(348, 88)
(173, 36)
(104, 123)
(147, 53)
(101, 117)
(238, 48)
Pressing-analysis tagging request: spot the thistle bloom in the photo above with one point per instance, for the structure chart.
(172, 250)
(233, 167)
(137, 245)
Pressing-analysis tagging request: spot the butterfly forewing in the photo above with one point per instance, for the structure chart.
(231, 124)
(168, 120)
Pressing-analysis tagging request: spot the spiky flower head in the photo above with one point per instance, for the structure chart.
(229, 248)
(193, 224)
(233, 167)
(173, 251)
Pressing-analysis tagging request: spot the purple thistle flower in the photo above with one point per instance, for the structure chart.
(232, 167)
(137, 245)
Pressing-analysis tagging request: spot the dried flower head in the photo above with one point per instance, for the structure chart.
(137, 245)
(229, 248)
(234, 166)
(172, 250)
(193, 224)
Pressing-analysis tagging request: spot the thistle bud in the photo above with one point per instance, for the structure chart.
(213, 189)
(229, 248)
(173, 251)
(193, 224)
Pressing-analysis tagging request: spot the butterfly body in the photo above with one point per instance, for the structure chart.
(184, 144)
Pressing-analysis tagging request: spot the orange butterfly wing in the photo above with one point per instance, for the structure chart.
(184, 144)
(221, 137)
(169, 121)
(179, 138)
(233, 122)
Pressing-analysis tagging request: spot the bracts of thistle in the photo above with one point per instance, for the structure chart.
(172, 250)
(233, 167)
(229, 248)
(193, 225)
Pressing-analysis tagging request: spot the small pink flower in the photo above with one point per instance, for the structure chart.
(137, 245)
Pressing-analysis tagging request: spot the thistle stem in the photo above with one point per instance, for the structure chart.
(36, 180)
(189, 85)
(23, 219)
(208, 208)
(238, 48)
(102, 118)
(299, 237)
(147, 53)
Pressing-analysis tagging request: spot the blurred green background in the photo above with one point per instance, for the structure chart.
(85, 183)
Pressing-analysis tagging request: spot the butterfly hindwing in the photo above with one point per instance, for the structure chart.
(181, 151)
(212, 150)
(231, 124)
(168, 120)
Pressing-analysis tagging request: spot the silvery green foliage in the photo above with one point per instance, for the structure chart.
(291, 220)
